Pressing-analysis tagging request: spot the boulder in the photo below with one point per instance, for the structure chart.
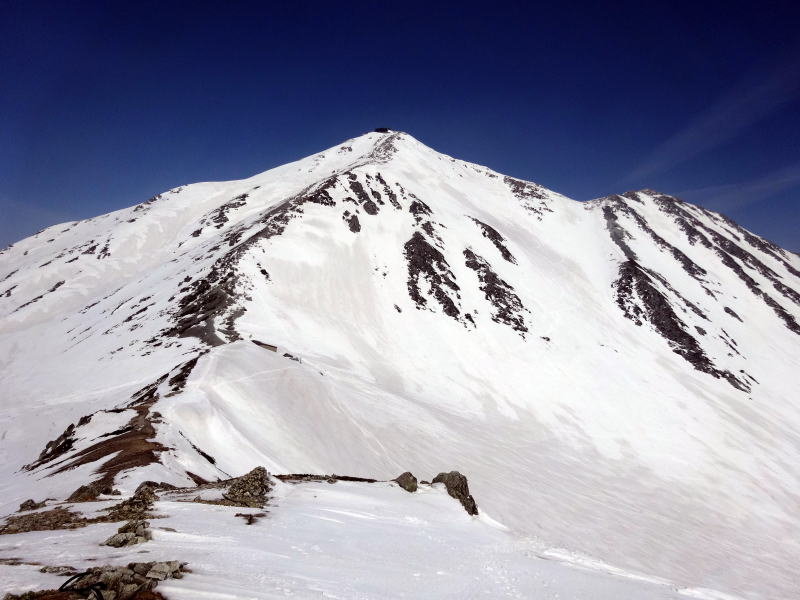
(30, 504)
(133, 532)
(457, 487)
(407, 481)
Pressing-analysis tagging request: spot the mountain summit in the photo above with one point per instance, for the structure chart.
(616, 377)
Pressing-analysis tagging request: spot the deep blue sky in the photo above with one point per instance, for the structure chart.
(105, 104)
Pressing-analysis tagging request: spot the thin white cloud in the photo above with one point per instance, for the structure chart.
(733, 196)
(738, 110)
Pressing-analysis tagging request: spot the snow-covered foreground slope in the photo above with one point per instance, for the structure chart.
(618, 378)
(348, 541)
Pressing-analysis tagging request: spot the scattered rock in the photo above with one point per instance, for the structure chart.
(154, 485)
(57, 518)
(133, 532)
(59, 570)
(407, 481)
(458, 488)
(134, 508)
(30, 504)
(134, 582)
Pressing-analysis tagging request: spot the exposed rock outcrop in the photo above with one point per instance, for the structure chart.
(134, 582)
(134, 508)
(458, 488)
(407, 481)
(47, 520)
(89, 492)
(31, 504)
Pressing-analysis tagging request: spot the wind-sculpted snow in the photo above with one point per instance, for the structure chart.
(616, 377)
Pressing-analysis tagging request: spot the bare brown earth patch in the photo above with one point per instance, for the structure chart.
(130, 446)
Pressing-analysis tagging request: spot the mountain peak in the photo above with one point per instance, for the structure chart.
(316, 317)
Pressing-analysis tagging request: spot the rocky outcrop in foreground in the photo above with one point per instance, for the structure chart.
(455, 483)
(458, 488)
(134, 582)
(133, 532)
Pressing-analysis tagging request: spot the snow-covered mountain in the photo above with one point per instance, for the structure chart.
(618, 377)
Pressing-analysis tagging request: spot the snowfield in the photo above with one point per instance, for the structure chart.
(345, 540)
(617, 378)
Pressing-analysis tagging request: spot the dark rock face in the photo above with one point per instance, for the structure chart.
(533, 197)
(362, 198)
(178, 381)
(30, 504)
(507, 308)
(59, 446)
(407, 481)
(352, 221)
(458, 488)
(388, 191)
(215, 295)
(640, 301)
(732, 254)
(219, 216)
(250, 490)
(731, 312)
(426, 263)
(496, 238)
(617, 205)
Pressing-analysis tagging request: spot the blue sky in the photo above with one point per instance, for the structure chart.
(105, 104)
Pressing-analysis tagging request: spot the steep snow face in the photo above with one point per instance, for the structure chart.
(615, 377)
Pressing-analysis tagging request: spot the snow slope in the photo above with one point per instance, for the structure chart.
(617, 377)
(321, 541)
